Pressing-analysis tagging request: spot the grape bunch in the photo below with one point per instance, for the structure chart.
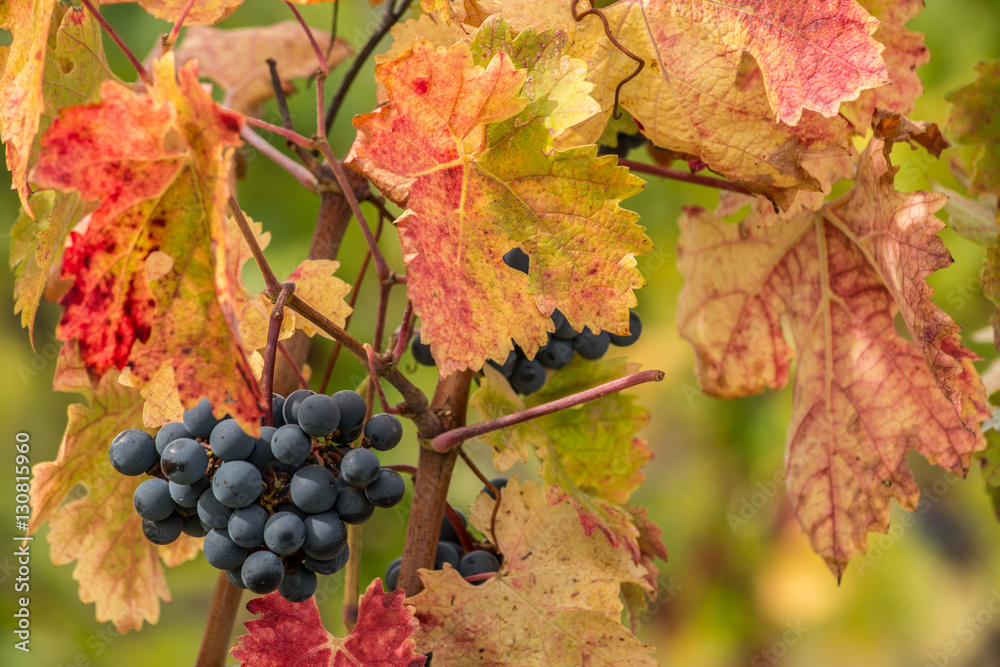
(273, 509)
(527, 376)
(626, 143)
(449, 550)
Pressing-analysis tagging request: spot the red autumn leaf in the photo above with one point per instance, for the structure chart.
(292, 635)
(154, 251)
(864, 396)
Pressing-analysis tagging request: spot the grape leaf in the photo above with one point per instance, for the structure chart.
(288, 633)
(904, 53)
(159, 164)
(315, 282)
(200, 13)
(117, 568)
(864, 396)
(21, 95)
(236, 59)
(974, 120)
(556, 593)
(484, 180)
(74, 69)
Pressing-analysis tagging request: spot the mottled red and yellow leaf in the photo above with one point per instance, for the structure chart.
(864, 396)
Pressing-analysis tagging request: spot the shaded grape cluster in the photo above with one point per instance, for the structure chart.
(272, 509)
(449, 550)
(626, 143)
(527, 376)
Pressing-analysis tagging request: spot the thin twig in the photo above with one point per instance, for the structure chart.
(463, 533)
(403, 333)
(294, 137)
(264, 147)
(352, 577)
(475, 469)
(402, 467)
(333, 31)
(381, 268)
(312, 39)
(449, 439)
(682, 176)
(219, 628)
(303, 382)
(305, 157)
(270, 352)
(136, 63)
(389, 18)
(614, 40)
(170, 38)
(373, 374)
(271, 282)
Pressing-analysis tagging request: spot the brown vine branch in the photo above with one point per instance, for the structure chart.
(323, 65)
(298, 172)
(305, 157)
(116, 38)
(352, 578)
(294, 137)
(219, 627)
(270, 352)
(683, 176)
(170, 38)
(449, 439)
(614, 40)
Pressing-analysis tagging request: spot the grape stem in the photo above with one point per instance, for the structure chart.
(323, 65)
(298, 172)
(352, 578)
(215, 644)
(270, 352)
(305, 157)
(449, 439)
(287, 356)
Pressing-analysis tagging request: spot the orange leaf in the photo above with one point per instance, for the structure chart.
(116, 567)
(864, 396)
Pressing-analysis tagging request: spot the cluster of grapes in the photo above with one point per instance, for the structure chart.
(527, 376)
(271, 519)
(626, 142)
(449, 550)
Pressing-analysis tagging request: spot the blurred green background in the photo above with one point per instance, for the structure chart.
(742, 585)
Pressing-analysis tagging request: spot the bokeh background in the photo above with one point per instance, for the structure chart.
(742, 585)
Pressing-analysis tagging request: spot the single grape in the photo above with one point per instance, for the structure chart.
(478, 562)
(237, 484)
(448, 532)
(507, 367)
(352, 413)
(290, 410)
(199, 420)
(318, 415)
(246, 526)
(235, 576)
(331, 566)
(168, 433)
(634, 328)
(529, 377)
(261, 457)
(277, 405)
(290, 507)
(229, 442)
(592, 346)
(556, 354)
(284, 533)
(387, 489)
(359, 467)
(290, 444)
(353, 505)
(313, 489)
(392, 574)
(212, 512)
(132, 452)
(262, 572)
(152, 500)
(422, 352)
(326, 535)
(517, 259)
(498, 482)
(221, 552)
(446, 553)
(187, 495)
(298, 586)
(184, 461)
(350, 436)
(384, 431)
(563, 331)
(194, 527)
(165, 531)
